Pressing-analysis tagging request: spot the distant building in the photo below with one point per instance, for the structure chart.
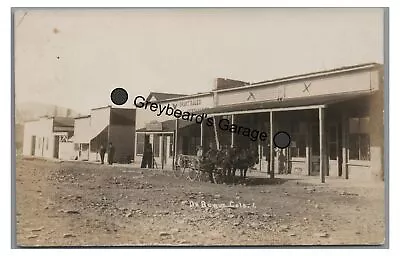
(104, 125)
(49, 137)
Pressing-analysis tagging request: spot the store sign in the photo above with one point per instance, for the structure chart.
(192, 105)
(186, 103)
(154, 126)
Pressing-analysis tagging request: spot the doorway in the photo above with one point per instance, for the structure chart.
(166, 150)
(314, 150)
(333, 147)
(56, 146)
(33, 145)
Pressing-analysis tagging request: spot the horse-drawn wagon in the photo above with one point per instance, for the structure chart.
(216, 165)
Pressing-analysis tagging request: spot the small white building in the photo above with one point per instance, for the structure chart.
(49, 137)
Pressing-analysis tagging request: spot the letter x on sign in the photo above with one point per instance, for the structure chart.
(306, 86)
(251, 95)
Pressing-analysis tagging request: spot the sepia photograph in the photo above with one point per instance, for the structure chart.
(192, 127)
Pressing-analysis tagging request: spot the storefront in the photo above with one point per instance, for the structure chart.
(160, 129)
(104, 125)
(334, 118)
(49, 137)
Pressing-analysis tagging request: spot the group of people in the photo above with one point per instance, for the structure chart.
(111, 152)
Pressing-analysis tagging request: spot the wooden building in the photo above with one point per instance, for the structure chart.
(104, 125)
(49, 137)
(334, 119)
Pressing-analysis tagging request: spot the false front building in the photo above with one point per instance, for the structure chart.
(104, 125)
(49, 137)
(334, 118)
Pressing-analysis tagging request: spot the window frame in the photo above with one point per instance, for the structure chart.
(358, 133)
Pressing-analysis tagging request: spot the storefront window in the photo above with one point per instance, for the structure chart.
(359, 141)
(332, 143)
(298, 148)
(85, 147)
(140, 144)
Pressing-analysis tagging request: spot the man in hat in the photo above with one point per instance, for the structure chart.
(102, 153)
(111, 153)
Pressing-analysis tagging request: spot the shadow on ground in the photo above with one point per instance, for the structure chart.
(257, 181)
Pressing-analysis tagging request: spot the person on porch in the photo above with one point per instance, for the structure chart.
(102, 153)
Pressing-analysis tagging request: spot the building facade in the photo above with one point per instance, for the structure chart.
(160, 129)
(104, 125)
(334, 119)
(49, 137)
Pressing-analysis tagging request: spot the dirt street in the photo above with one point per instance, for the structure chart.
(77, 203)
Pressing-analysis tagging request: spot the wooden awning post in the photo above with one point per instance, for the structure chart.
(345, 167)
(216, 133)
(233, 134)
(271, 146)
(175, 143)
(202, 135)
(322, 145)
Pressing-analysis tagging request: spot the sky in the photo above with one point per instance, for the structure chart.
(75, 57)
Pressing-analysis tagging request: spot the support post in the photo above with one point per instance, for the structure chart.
(216, 133)
(322, 145)
(175, 143)
(345, 166)
(202, 135)
(162, 152)
(135, 147)
(271, 146)
(233, 134)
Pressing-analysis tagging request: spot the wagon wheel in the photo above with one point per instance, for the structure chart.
(217, 176)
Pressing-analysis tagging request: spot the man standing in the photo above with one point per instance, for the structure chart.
(102, 153)
(149, 152)
(147, 159)
(111, 152)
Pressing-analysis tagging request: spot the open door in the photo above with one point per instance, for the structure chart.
(333, 148)
(33, 145)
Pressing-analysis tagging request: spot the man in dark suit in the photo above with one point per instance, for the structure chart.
(147, 159)
(111, 153)
(102, 153)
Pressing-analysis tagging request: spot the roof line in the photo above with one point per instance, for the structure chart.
(186, 96)
(85, 116)
(307, 75)
(108, 106)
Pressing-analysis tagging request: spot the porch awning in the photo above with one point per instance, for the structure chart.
(84, 136)
(167, 126)
(284, 105)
